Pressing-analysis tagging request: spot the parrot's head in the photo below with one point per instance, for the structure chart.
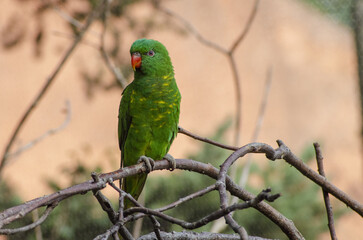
(150, 57)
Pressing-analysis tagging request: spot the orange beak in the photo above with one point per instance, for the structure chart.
(135, 60)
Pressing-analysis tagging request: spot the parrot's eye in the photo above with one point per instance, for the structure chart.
(151, 53)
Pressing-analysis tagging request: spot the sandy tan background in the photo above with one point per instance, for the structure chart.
(314, 93)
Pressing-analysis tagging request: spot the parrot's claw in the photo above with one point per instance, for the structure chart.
(171, 161)
(149, 163)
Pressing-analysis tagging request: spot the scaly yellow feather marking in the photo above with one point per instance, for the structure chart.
(167, 77)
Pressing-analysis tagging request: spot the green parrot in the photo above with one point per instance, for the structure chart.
(149, 111)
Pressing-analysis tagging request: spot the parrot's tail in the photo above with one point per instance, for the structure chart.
(133, 185)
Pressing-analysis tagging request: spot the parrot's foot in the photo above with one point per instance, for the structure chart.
(171, 161)
(149, 163)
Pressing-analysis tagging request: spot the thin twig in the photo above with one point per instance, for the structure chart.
(248, 25)
(116, 71)
(191, 29)
(256, 132)
(37, 229)
(180, 201)
(108, 233)
(123, 194)
(67, 17)
(48, 133)
(188, 198)
(329, 209)
(219, 225)
(104, 202)
(33, 225)
(227, 52)
(203, 139)
(264, 195)
(48, 83)
(196, 236)
(70, 36)
(290, 158)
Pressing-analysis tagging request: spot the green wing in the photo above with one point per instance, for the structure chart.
(124, 121)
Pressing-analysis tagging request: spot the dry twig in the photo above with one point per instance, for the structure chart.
(229, 53)
(328, 207)
(48, 82)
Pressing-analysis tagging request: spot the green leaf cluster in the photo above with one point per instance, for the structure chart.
(339, 10)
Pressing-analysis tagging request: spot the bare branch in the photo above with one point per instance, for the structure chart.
(48, 82)
(203, 139)
(116, 71)
(11, 214)
(33, 225)
(329, 209)
(256, 132)
(188, 198)
(228, 53)
(264, 195)
(191, 29)
(108, 62)
(290, 158)
(247, 27)
(262, 109)
(103, 201)
(196, 236)
(123, 194)
(224, 183)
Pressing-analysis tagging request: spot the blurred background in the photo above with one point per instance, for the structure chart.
(314, 96)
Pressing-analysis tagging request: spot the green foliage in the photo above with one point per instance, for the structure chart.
(336, 9)
(8, 198)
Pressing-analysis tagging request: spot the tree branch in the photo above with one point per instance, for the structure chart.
(11, 214)
(196, 236)
(329, 209)
(48, 82)
(224, 183)
(290, 158)
(203, 139)
(116, 71)
(264, 195)
(227, 52)
(46, 213)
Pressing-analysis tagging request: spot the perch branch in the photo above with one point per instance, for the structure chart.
(11, 214)
(223, 183)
